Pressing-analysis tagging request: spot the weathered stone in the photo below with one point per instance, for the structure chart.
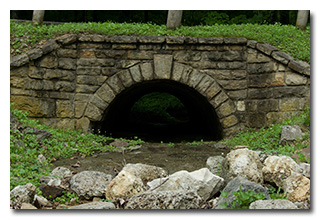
(86, 88)
(210, 40)
(146, 71)
(232, 65)
(151, 39)
(174, 40)
(212, 91)
(202, 181)
(123, 39)
(67, 53)
(48, 62)
(67, 39)
(278, 168)
(99, 102)
(194, 78)
(177, 199)
(88, 70)
(27, 206)
(214, 164)
(23, 193)
(177, 71)
(237, 184)
(64, 109)
(254, 68)
(63, 86)
(49, 46)
(242, 162)
(273, 204)
(296, 187)
(218, 99)
(282, 56)
(266, 48)
(34, 53)
(295, 79)
(229, 121)
(79, 108)
(290, 134)
(226, 109)
(162, 66)
(125, 78)
(293, 104)
(93, 112)
(298, 66)
(135, 73)
(89, 184)
(233, 84)
(51, 191)
(146, 172)
(95, 205)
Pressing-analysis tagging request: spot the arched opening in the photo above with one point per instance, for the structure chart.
(189, 117)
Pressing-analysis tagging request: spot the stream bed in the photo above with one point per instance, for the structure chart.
(172, 157)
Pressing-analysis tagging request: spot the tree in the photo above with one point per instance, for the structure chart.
(37, 16)
(302, 19)
(174, 19)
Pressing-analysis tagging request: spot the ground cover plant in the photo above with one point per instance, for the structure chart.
(25, 148)
(24, 36)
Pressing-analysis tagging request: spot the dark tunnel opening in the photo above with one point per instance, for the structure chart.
(194, 119)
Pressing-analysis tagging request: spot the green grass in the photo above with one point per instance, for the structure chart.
(285, 37)
(24, 166)
(267, 139)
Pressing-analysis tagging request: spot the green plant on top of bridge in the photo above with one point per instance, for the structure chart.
(285, 37)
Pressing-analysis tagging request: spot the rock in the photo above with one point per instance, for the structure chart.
(277, 168)
(125, 184)
(61, 172)
(50, 191)
(50, 180)
(40, 134)
(27, 206)
(214, 164)
(234, 185)
(40, 201)
(132, 180)
(202, 181)
(23, 193)
(242, 162)
(273, 204)
(176, 199)
(290, 134)
(146, 172)
(41, 158)
(305, 169)
(94, 205)
(297, 187)
(88, 184)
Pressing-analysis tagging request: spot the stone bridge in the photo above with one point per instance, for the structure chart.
(91, 81)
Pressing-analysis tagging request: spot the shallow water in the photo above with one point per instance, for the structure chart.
(171, 158)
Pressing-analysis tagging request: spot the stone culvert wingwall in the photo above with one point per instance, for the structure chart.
(71, 81)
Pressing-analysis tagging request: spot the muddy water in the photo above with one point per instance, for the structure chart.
(171, 158)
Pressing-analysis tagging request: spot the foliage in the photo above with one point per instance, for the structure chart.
(242, 200)
(267, 139)
(276, 193)
(287, 38)
(25, 148)
(66, 197)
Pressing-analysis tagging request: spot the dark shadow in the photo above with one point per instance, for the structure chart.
(197, 120)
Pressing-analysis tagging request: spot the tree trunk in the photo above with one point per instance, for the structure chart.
(302, 19)
(38, 16)
(174, 19)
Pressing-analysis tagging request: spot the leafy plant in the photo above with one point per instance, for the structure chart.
(242, 200)
(66, 197)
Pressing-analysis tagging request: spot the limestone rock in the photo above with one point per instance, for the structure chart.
(88, 184)
(242, 162)
(297, 187)
(125, 184)
(23, 193)
(146, 172)
(273, 204)
(175, 199)
(61, 172)
(305, 169)
(290, 134)
(214, 164)
(95, 205)
(27, 206)
(202, 181)
(234, 185)
(278, 168)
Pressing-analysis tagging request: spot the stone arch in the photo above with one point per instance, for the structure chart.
(163, 67)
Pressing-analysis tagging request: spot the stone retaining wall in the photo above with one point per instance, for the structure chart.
(69, 82)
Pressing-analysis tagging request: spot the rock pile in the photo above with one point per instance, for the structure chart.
(141, 186)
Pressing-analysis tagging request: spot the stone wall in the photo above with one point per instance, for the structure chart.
(69, 82)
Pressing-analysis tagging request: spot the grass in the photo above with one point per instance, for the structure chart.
(287, 38)
(25, 148)
(267, 139)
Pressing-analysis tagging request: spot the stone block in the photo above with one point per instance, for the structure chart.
(225, 109)
(255, 68)
(67, 53)
(174, 40)
(266, 48)
(218, 99)
(48, 62)
(20, 71)
(194, 78)
(79, 107)
(293, 104)
(238, 94)
(281, 57)
(146, 71)
(67, 63)
(124, 46)
(262, 105)
(151, 39)
(140, 55)
(64, 86)
(82, 124)
(292, 91)
(262, 93)
(93, 112)
(49, 46)
(64, 109)
(86, 88)
(34, 53)
(17, 82)
(106, 93)
(233, 84)
(123, 39)
(229, 121)
(204, 84)
(212, 90)
(87, 70)
(162, 66)
(235, 40)
(67, 39)
(232, 65)
(256, 120)
(95, 62)
(294, 79)
(125, 78)
(35, 73)
(298, 66)
(99, 102)
(135, 73)
(210, 40)
(115, 84)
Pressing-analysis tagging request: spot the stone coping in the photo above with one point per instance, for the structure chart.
(284, 58)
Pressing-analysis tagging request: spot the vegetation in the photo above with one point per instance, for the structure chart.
(25, 148)
(267, 139)
(287, 38)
